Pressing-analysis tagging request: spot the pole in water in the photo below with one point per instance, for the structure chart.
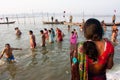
(42, 16)
(3, 17)
(33, 17)
(17, 18)
(83, 14)
(24, 19)
(48, 16)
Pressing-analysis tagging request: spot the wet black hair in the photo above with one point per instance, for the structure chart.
(49, 31)
(72, 32)
(90, 49)
(74, 29)
(45, 29)
(16, 28)
(7, 44)
(41, 31)
(93, 31)
(30, 31)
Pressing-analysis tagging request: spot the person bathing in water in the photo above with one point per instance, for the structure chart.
(42, 38)
(32, 40)
(18, 32)
(8, 53)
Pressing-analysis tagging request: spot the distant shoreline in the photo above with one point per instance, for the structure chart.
(39, 14)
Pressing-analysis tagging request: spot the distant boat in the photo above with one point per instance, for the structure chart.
(11, 22)
(79, 24)
(111, 24)
(47, 22)
(73, 23)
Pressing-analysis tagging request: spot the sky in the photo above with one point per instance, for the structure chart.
(58, 6)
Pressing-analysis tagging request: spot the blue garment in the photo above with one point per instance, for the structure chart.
(53, 33)
(10, 58)
(51, 38)
(74, 60)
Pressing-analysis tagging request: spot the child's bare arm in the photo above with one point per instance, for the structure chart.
(2, 53)
(16, 48)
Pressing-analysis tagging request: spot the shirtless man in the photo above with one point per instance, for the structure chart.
(8, 53)
(114, 36)
(42, 38)
(18, 32)
(113, 18)
(114, 27)
(32, 40)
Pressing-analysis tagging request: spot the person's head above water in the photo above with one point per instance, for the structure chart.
(16, 28)
(7, 46)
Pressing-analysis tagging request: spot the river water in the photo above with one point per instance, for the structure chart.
(44, 63)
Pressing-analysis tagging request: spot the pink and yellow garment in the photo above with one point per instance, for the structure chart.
(83, 65)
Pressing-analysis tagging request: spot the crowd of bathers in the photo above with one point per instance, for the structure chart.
(47, 35)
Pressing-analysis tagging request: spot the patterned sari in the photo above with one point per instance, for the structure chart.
(82, 60)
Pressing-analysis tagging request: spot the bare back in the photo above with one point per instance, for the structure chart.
(107, 62)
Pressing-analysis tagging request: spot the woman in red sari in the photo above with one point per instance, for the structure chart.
(59, 36)
(95, 55)
(99, 51)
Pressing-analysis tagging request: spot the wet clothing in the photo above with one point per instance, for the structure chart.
(46, 35)
(53, 33)
(83, 63)
(79, 69)
(51, 38)
(33, 44)
(84, 60)
(73, 39)
(59, 36)
(10, 58)
(102, 59)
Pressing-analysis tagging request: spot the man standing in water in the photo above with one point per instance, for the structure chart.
(114, 33)
(42, 38)
(8, 53)
(113, 18)
(52, 18)
(32, 40)
(71, 18)
(7, 19)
